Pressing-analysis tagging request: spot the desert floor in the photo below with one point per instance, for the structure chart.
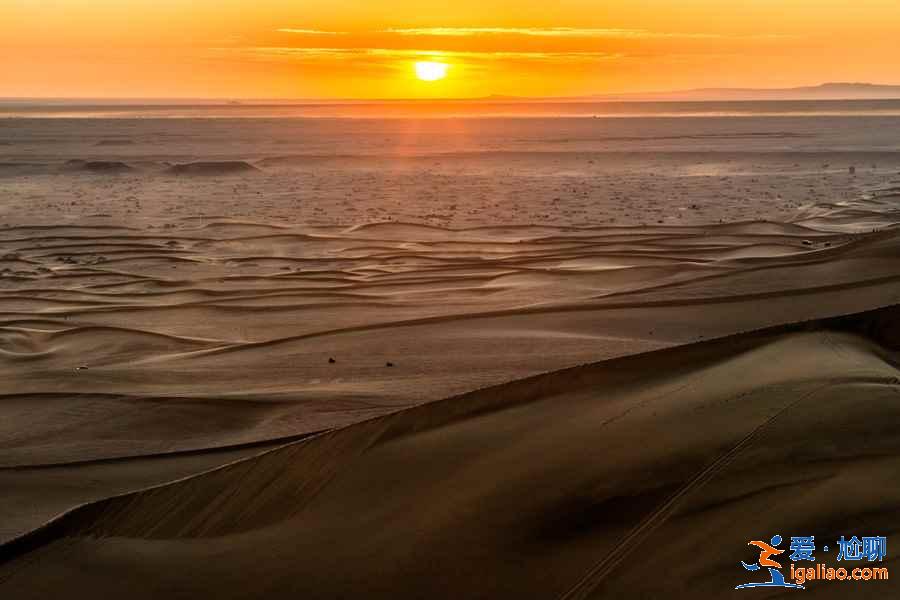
(548, 369)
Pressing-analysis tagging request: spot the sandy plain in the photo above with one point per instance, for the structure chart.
(521, 358)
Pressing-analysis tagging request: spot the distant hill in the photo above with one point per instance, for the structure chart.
(825, 91)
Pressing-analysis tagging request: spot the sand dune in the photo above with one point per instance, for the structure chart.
(166, 361)
(100, 166)
(211, 168)
(508, 364)
(199, 314)
(553, 486)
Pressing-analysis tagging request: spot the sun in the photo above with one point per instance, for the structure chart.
(431, 71)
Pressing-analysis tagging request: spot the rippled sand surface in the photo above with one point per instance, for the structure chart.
(221, 368)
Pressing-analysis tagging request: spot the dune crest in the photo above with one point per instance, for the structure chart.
(224, 167)
(608, 452)
(99, 166)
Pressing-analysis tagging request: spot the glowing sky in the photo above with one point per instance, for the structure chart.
(367, 49)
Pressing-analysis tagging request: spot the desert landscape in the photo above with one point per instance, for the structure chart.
(396, 358)
(479, 300)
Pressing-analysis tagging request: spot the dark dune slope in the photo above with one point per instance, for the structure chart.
(224, 167)
(639, 477)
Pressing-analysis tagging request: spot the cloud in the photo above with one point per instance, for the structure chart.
(546, 32)
(404, 53)
(394, 56)
(568, 32)
(309, 31)
(528, 31)
(479, 47)
(476, 31)
(541, 32)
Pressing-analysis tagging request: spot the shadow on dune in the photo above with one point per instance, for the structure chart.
(99, 166)
(225, 167)
(572, 484)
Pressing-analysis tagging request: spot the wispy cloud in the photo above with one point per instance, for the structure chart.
(567, 32)
(480, 47)
(394, 55)
(546, 32)
(528, 31)
(309, 31)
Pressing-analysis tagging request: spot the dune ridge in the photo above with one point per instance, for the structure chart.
(212, 168)
(125, 313)
(305, 483)
(99, 166)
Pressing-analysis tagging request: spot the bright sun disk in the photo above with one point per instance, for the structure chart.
(431, 71)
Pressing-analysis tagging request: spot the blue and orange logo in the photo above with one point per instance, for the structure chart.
(766, 552)
(872, 549)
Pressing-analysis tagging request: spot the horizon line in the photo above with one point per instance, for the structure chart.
(610, 96)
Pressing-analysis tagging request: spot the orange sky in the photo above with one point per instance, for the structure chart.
(365, 49)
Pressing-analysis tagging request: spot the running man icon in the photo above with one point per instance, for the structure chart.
(766, 552)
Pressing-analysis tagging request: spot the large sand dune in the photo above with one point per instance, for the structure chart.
(120, 343)
(641, 476)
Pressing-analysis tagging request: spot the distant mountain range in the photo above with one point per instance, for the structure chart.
(825, 91)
